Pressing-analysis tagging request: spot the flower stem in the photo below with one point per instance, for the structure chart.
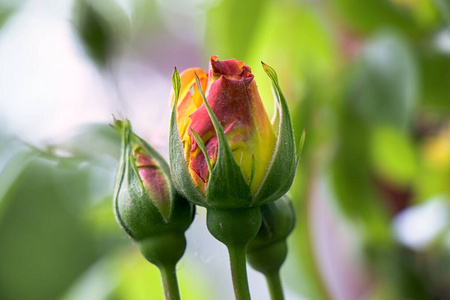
(239, 272)
(274, 283)
(170, 282)
(235, 228)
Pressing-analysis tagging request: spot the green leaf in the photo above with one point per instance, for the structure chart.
(435, 73)
(353, 181)
(10, 174)
(393, 155)
(444, 8)
(49, 246)
(227, 187)
(281, 172)
(5, 13)
(384, 87)
(100, 26)
(296, 37)
(370, 15)
(232, 26)
(138, 280)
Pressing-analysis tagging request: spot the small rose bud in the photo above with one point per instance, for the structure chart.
(146, 204)
(268, 250)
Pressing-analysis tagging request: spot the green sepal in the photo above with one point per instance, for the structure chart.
(300, 145)
(176, 83)
(227, 187)
(120, 179)
(178, 165)
(252, 176)
(281, 171)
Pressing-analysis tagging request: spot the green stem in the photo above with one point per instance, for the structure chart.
(239, 272)
(170, 282)
(274, 283)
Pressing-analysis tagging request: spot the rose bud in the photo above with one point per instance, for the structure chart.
(146, 204)
(224, 151)
(267, 252)
(226, 155)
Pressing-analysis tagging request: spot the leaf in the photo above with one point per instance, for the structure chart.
(435, 73)
(99, 26)
(370, 15)
(384, 87)
(231, 27)
(393, 155)
(48, 244)
(444, 8)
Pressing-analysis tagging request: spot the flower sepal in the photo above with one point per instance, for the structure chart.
(283, 166)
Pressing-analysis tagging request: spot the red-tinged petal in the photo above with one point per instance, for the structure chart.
(153, 180)
(234, 99)
(188, 102)
(229, 68)
(198, 162)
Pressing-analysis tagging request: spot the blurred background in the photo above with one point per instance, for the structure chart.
(369, 80)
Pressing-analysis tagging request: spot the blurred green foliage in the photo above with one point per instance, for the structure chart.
(48, 248)
(7, 9)
(102, 27)
(370, 82)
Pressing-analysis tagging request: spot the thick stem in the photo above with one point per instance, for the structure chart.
(274, 284)
(170, 282)
(235, 228)
(239, 272)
